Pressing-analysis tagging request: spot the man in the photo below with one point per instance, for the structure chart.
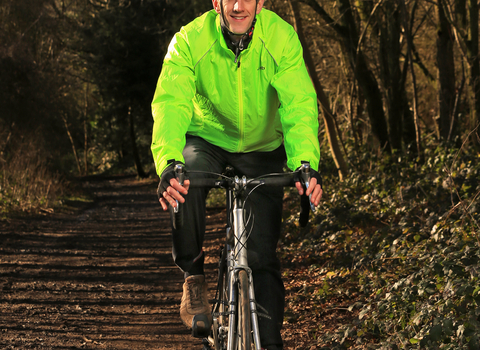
(234, 90)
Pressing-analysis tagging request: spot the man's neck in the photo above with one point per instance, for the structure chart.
(238, 42)
(235, 37)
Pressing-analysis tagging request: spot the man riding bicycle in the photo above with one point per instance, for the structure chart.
(234, 91)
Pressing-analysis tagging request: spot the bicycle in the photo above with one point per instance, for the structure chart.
(234, 310)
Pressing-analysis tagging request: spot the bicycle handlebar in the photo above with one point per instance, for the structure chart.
(283, 180)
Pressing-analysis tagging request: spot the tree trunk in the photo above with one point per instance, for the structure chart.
(364, 75)
(322, 98)
(411, 130)
(392, 75)
(446, 73)
(467, 36)
(136, 156)
(475, 63)
(409, 63)
(345, 27)
(85, 132)
(70, 137)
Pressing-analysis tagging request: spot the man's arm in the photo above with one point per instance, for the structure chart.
(172, 110)
(298, 113)
(172, 105)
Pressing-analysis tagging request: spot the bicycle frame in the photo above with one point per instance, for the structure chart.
(237, 260)
(234, 265)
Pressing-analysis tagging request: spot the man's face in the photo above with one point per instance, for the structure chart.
(239, 13)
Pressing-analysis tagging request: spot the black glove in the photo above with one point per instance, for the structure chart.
(167, 175)
(304, 200)
(313, 174)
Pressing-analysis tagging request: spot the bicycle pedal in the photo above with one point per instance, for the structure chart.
(200, 326)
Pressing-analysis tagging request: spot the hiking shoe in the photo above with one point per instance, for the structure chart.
(195, 303)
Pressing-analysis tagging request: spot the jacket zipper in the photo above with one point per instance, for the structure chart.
(238, 51)
(240, 105)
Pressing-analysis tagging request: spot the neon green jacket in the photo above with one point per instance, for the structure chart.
(264, 99)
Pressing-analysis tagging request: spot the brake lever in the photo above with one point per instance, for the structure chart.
(305, 173)
(180, 176)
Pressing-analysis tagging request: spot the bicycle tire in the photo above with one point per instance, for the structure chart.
(244, 322)
(220, 306)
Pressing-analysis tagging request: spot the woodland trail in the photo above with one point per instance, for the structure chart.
(103, 278)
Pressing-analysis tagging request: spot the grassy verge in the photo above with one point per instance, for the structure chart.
(28, 186)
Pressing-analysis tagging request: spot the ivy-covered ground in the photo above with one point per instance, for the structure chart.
(391, 259)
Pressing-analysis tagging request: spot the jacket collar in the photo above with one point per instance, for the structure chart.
(227, 44)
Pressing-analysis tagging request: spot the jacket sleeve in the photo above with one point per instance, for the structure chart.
(172, 105)
(298, 106)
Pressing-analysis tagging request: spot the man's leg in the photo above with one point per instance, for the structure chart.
(266, 204)
(188, 239)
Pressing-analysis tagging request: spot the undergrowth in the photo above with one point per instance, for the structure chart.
(396, 246)
(27, 184)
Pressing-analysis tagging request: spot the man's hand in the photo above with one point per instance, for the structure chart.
(314, 189)
(174, 193)
(169, 190)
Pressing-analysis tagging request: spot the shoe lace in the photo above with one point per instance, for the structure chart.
(195, 293)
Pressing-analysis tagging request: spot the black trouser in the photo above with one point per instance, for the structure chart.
(266, 206)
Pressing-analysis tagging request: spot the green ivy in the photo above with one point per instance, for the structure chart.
(410, 234)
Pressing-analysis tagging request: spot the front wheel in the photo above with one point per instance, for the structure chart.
(220, 308)
(244, 318)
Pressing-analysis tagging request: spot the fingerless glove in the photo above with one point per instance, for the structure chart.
(167, 175)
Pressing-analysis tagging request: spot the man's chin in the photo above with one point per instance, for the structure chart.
(239, 31)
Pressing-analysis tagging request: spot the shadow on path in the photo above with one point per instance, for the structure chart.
(101, 279)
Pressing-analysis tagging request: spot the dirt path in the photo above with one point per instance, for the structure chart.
(101, 279)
